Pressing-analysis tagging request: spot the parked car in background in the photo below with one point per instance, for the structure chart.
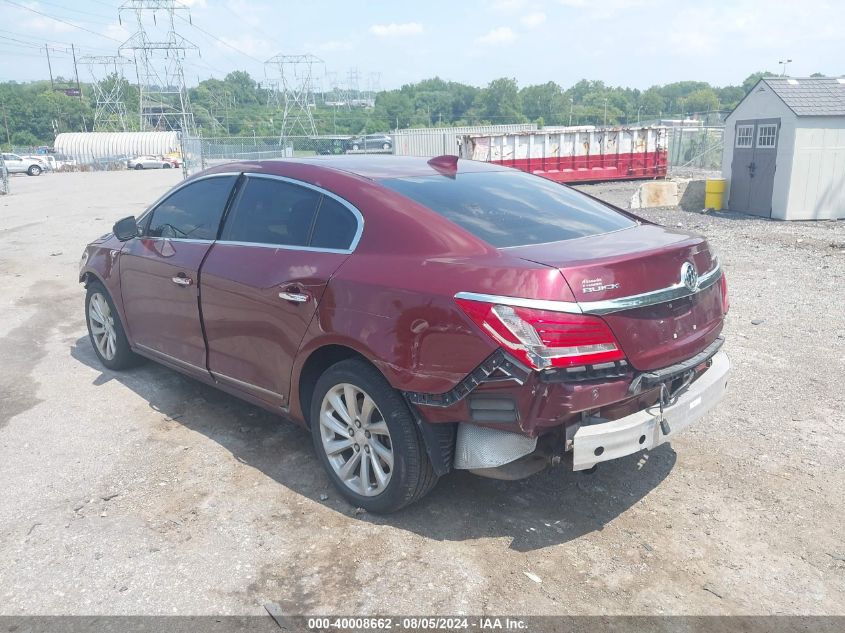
(65, 162)
(175, 161)
(370, 142)
(419, 316)
(48, 163)
(55, 161)
(22, 165)
(326, 145)
(149, 162)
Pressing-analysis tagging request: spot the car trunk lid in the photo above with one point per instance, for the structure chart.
(636, 261)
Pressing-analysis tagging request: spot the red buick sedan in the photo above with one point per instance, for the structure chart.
(418, 315)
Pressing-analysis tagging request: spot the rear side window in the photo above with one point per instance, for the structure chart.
(511, 208)
(194, 211)
(335, 226)
(269, 211)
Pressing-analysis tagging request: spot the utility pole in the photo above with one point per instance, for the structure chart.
(605, 113)
(49, 66)
(571, 106)
(76, 71)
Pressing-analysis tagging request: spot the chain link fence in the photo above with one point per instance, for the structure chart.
(4, 177)
(689, 148)
(696, 147)
(203, 152)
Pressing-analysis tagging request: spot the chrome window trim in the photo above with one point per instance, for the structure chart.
(187, 240)
(654, 297)
(349, 206)
(312, 249)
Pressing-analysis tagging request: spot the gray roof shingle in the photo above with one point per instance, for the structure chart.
(810, 96)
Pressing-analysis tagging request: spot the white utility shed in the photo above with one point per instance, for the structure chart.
(784, 153)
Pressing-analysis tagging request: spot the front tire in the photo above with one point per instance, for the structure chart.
(108, 338)
(34, 170)
(139, 166)
(367, 440)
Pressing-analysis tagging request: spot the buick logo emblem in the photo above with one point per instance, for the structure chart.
(689, 276)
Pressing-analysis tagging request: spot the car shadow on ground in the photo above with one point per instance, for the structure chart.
(550, 508)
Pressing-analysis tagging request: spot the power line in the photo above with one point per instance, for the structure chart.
(224, 42)
(240, 17)
(41, 40)
(51, 17)
(75, 10)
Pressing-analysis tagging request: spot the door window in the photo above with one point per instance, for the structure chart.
(744, 135)
(270, 211)
(767, 135)
(335, 227)
(194, 211)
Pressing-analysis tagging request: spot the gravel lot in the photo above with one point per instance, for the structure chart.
(148, 493)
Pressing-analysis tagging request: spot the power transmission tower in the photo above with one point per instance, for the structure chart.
(108, 82)
(353, 87)
(159, 51)
(293, 79)
(373, 88)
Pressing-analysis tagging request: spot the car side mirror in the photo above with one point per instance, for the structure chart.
(126, 228)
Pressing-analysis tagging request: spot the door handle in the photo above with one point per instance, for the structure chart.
(296, 297)
(182, 281)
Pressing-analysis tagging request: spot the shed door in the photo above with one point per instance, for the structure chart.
(753, 166)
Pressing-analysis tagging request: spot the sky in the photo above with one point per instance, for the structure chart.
(633, 43)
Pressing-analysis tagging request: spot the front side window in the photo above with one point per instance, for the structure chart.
(194, 211)
(512, 208)
(744, 135)
(269, 211)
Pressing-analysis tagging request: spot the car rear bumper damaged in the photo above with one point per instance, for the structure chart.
(603, 440)
(488, 450)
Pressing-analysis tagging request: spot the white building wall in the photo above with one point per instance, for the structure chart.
(817, 187)
(762, 103)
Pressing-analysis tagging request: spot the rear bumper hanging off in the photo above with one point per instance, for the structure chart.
(603, 441)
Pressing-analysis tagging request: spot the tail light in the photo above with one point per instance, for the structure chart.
(541, 338)
(723, 284)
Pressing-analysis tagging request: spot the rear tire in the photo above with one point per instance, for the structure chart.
(139, 166)
(105, 331)
(385, 146)
(166, 166)
(392, 468)
(34, 170)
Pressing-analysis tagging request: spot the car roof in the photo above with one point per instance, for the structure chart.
(377, 167)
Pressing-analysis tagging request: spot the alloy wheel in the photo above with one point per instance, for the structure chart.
(102, 326)
(356, 439)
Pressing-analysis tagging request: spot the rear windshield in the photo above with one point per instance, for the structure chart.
(511, 208)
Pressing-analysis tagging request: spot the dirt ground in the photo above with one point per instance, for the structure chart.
(145, 492)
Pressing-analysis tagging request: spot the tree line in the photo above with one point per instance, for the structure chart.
(33, 113)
